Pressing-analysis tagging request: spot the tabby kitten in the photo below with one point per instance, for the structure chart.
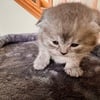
(67, 33)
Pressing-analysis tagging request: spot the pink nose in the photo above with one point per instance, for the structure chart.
(63, 53)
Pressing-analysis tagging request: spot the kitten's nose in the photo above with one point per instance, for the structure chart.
(63, 53)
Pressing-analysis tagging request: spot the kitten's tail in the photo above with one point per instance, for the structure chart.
(14, 38)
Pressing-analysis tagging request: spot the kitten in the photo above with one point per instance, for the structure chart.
(68, 32)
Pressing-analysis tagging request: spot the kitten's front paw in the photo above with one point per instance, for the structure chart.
(74, 72)
(40, 64)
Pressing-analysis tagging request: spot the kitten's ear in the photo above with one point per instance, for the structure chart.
(41, 19)
(37, 25)
(96, 28)
(98, 41)
(97, 16)
(42, 23)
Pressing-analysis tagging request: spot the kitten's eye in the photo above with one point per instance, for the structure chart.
(55, 42)
(74, 44)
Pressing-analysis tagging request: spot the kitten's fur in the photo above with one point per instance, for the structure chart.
(64, 25)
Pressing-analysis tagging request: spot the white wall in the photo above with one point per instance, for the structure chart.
(14, 18)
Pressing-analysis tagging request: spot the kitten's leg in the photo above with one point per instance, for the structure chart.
(42, 60)
(72, 68)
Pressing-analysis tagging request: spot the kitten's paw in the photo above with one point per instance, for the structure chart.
(40, 64)
(74, 72)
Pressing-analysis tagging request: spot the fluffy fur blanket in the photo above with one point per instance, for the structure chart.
(19, 81)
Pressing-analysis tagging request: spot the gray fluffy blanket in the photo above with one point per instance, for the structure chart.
(19, 81)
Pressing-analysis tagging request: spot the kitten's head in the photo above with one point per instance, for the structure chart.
(66, 32)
